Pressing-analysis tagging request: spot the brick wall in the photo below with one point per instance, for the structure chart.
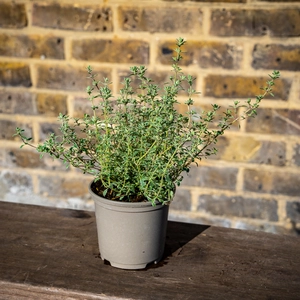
(253, 182)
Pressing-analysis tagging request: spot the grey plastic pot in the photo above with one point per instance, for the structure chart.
(130, 235)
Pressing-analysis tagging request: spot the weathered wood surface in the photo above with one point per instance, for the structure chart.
(48, 253)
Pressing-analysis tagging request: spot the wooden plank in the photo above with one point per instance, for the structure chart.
(17, 291)
(53, 248)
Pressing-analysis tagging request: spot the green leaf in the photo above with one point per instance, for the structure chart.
(105, 192)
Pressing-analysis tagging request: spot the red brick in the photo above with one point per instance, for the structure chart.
(213, 1)
(48, 128)
(205, 54)
(161, 19)
(265, 181)
(67, 77)
(211, 177)
(251, 150)
(182, 200)
(26, 103)
(72, 17)
(221, 86)
(14, 74)
(55, 186)
(276, 56)
(81, 106)
(238, 206)
(279, 0)
(111, 51)
(238, 22)
(16, 183)
(275, 121)
(27, 158)
(51, 105)
(8, 129)
(296, 155)
(17, 103)
(293, 211)
(12, 15)
(33, 46)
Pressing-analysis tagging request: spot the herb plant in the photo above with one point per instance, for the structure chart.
(137, 145)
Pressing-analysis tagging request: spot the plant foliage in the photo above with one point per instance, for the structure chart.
(137, 145)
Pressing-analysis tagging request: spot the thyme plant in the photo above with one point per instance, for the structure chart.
(137, 145)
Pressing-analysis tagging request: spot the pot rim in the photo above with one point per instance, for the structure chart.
(106, 201)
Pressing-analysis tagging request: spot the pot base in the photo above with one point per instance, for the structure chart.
(131, 266)
(128, 267)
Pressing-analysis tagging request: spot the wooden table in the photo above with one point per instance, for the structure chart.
(49, 253)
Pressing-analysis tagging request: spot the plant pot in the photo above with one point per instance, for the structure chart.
(130, 235)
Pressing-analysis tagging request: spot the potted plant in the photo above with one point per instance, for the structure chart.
(137, 147)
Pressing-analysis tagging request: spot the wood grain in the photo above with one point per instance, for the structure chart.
(49, 253)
